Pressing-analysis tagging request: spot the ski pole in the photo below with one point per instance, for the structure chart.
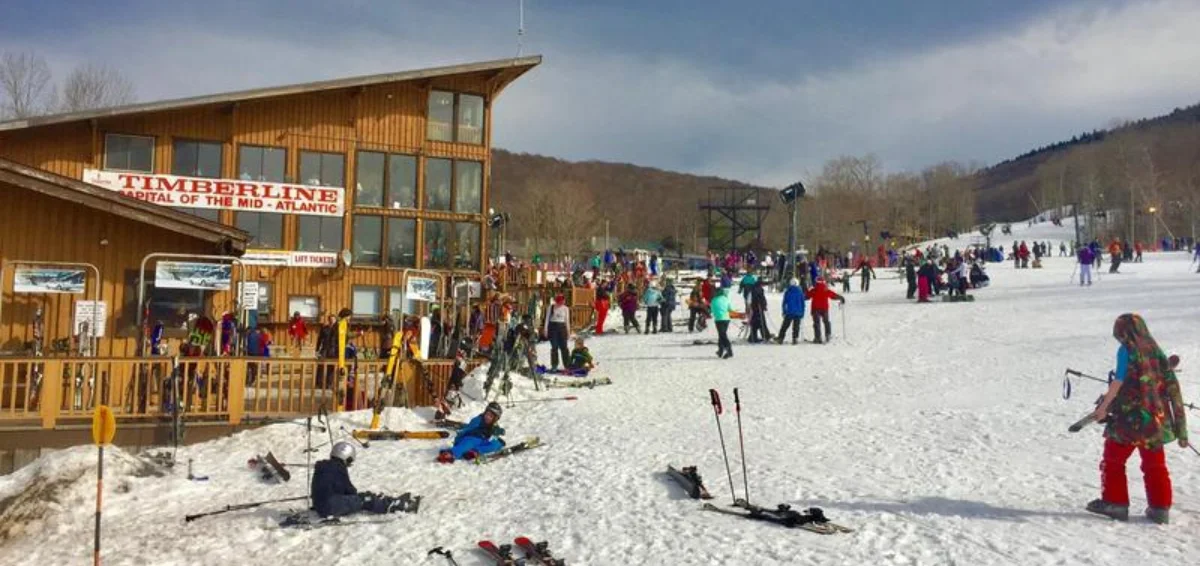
(737, 406)
(842, 309)
(228, 508)
(716, 402)
(567, 398)
(308, 451)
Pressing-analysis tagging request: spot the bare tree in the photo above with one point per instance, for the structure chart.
(25, 88)
(95, 86)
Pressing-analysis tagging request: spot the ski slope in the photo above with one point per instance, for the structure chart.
(937, 431)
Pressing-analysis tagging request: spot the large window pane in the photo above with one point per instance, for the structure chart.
(441, 116)
(470, 118)
(190, 158)
(402, 181)
(129, 153)
(368, 179)
(261, 164)
(368, 240)
(309, 307)
(437, 184)
(402, 242)
(466, 254)
(366, 301)
(468, 187)
(436, 249)
(319, 233)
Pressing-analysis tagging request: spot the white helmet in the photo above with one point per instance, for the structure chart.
(344, 451)
(794, 282)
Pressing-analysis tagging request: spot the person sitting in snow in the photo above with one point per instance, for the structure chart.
(581, 358)
(333, 495)
(478, 437)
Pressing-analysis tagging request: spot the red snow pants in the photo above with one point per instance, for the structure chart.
(601, 314)
(1114, 488)
(922, 289)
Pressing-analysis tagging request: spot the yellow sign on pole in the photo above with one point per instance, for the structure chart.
(104, 425)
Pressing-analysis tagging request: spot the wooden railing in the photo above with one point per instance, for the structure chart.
(233, 389)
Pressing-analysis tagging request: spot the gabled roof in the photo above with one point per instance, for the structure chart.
(92, 196)
(506, 70)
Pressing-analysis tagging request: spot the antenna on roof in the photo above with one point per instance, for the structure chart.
(521, 27)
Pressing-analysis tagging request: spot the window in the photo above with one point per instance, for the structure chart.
(402, 181)
(437, 183)
(467, 250)
(396, 172)
(308, 307)
(441, 115)
(398, 306)
(262, 164)
(368, 178)
(401, 242)
(129, 153)
(469, 126)
(321, 233)
(171, 306)
(368, 240)
(455, 117)
(264, 299)
(468, 187)
(437, 244)
(191, 158)
(366, 301)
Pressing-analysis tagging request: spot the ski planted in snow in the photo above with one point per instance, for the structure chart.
(400, 434)
(500, 555)
(270, 468)
(690, 480)
(528, 444)
(812, 519)
(588, 383)
(537, 553)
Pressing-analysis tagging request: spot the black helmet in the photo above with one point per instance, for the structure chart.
(495, 409)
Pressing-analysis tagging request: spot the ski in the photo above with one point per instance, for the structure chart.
(690, 480)
(812, 520)
(400, 434)
(501, 555)
(307, 520)
(537, 553)
(528, 444)
(447, 423)
(1079, 424)
(574, 383)
(270, 468)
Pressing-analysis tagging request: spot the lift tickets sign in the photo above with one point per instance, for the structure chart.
(222, 194)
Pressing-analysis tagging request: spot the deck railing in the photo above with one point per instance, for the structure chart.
(220, 389)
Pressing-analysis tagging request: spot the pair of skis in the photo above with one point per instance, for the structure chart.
(535, 553)
(574, 383)
(369, 435)
(528, 444)
(812, 519)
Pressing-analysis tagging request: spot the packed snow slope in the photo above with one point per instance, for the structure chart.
(938, 431)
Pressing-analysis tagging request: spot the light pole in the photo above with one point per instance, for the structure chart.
(791, 195)
(1153, 222)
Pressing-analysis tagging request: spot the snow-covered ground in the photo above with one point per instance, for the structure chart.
(937, 431)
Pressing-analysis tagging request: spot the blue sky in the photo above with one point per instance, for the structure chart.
(763, 91)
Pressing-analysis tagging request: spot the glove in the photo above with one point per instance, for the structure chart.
(498, 431)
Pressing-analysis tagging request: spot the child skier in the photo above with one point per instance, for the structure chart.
(820, 296)
(1145, 411)
(628, 301)
(480, 436)
(793, 311)
(581, 358)
(334, 496)
(669, 303)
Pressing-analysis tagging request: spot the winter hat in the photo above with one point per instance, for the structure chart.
(793, 282)
(559, 299)
(495, 409)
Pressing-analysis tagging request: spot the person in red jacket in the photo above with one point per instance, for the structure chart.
(707, 290)
(820, 295)
(298, 331)
(602, 305)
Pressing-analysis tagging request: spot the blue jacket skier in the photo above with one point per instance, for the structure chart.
(793, 311)
(480, 436)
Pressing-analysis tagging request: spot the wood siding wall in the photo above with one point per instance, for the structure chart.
(43, 228)
(390, 117)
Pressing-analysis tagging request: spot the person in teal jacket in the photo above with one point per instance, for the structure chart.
(652, 298)
(746, 286)
(720, 313)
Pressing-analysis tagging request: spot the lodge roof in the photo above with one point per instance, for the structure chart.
(507, 70)
(231, 240)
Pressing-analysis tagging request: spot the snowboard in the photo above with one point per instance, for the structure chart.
(400, 434)
(426, 332)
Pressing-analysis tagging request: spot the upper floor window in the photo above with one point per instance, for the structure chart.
(129, 153)
(257, 163)
(321, 233)
(454, 182)
(386, 180)
(455, 117)
(192, 158)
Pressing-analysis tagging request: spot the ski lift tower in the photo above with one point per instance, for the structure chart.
(734, 217)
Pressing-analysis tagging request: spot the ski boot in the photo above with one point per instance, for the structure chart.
(1110, 510)
(445, 457)
(1160, 515)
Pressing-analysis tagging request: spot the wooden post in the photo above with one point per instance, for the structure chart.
(51, 392)
(237, 390)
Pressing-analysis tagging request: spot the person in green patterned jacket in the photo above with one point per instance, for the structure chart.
(1144, 410)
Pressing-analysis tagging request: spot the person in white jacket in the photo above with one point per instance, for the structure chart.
(558, 330)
